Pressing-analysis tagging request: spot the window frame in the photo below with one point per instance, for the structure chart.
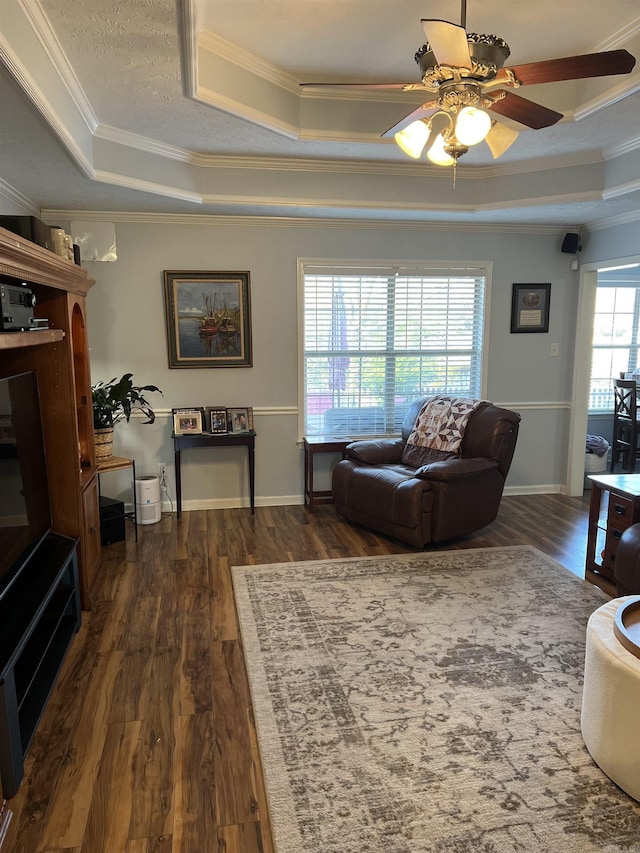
(632, 348)
(383, 267)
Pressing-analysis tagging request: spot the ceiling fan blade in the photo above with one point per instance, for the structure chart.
(448, 42)
(571, 67)
(425, 111)
(499, 138)
(526, 112)
(405, 87)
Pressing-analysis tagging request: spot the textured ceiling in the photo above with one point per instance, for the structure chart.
(127, 60)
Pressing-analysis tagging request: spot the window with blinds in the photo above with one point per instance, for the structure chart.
(376, 339)
(616, 340)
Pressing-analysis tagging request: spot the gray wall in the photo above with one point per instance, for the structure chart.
(127, 334)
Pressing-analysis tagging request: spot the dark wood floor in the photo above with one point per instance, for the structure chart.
(147, 744)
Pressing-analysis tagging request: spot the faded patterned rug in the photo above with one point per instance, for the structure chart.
(427, 703)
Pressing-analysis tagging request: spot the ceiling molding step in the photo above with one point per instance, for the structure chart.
(147, 145)
(620, 150)
(189, 41)
(130, 183)
(40, 102)
(35, 15)
(248, 61)
(626, 87)
(622, 189)
(301, 222)
(235, 108)
(17, 198)
(612, 221)
(541, 201)
(380, 96)
(336, 204)
(620, 38)
(352, 167)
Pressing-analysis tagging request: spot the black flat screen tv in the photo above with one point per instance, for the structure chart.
(25, 509)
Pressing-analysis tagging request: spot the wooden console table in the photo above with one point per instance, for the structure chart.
(605, 530)
(311, 447)
(238, 439)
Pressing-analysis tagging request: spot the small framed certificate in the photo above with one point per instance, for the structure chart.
(530, 307)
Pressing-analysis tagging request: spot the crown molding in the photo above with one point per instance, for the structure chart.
(301, 222)
(611, 221)
(620, 38)
(622, 189)
(244, 111)
(620, 150)
(189, 40)
(130, 183)
(13, 195)
(624, 88)
(50, 44)
(147, 145)
(352, 167)
(247, 61)
(40, 102)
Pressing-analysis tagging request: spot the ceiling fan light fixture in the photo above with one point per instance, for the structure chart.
(413, 138)
(472, 125)
(437, 153)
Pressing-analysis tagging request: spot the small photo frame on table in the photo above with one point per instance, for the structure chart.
(187, 421)
(240, 419)
(217, 421)
(530, 307)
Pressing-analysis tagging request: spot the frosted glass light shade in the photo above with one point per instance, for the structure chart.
(413, 138)
(438, 155)
(472, 125)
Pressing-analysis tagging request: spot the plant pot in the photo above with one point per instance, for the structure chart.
(103, 443)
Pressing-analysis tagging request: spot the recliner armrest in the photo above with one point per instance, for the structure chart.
(455, 469)
(382, 451)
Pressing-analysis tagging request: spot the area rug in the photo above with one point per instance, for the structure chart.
(427, 703)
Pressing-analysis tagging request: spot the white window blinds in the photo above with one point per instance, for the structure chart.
(376, 339)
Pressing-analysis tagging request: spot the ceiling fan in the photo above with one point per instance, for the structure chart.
(465, 73)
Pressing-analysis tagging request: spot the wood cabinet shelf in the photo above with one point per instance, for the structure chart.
(37, 337)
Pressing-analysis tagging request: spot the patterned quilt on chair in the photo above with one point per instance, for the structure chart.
(439, 429)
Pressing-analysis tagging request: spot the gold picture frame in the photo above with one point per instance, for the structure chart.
(208, 318)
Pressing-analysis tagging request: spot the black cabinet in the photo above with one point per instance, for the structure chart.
(39, 615)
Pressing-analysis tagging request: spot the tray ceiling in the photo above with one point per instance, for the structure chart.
(194, 108)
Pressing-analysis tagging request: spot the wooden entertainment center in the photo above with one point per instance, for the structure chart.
(41, 611)
(60, 357)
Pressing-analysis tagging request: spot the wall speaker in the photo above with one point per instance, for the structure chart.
(571, 243)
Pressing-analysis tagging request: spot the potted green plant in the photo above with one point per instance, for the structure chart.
(113, 402)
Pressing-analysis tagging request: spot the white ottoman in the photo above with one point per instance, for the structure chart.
(610, 718)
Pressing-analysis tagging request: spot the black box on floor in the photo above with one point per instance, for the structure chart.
(30, 228)
(111, 521)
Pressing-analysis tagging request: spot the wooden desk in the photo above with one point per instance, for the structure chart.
(120, 463)
(311, 447)
(205, 439)
(605, 530)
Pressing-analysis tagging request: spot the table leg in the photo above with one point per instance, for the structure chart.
(252, 475)
(135, 502)
(176, 457)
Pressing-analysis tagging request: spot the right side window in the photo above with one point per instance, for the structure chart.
(616, 333)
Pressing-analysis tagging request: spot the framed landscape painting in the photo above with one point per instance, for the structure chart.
(208, 318)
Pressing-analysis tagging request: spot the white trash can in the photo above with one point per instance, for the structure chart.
(594, 464)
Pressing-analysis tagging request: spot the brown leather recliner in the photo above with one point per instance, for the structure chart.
(435, 502)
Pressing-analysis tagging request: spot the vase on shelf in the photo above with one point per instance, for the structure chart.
(103, 443)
